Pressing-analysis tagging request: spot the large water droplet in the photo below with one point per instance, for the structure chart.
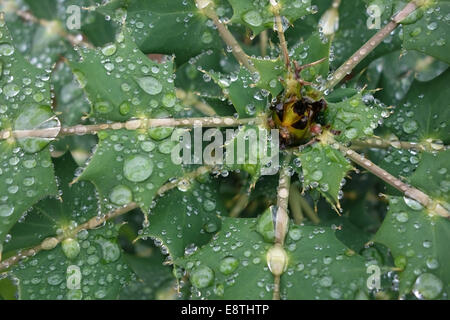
(150, 85)
(202, 276)
(160, 133)
(71, 248)
(137, 168)
(228, 265)
(410, 126)
(11, 90)
(6, 49)
(110, 250)
(6, 210)
(121, 195)
(109, 50)
(427, 286)
(253, 18)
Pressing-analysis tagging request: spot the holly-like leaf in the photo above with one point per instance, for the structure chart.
(234, 266)
(321, 267)
(172, 27)
(89, 265)
(433, 176)
(430, 33)
(258, 15)
(26, 171)
(121, 82)
(423, 112)
(131, 166)
(324, 168)
(315, 48)
(270, 72)
(240, 90)
(353, 117)
(418, 241)
(186, 218)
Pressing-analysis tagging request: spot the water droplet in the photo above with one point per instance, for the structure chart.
(137, 168)
(121, 195)
(103, 107)
(109, 50)
(317, 175)
(70, 247)
(150, 85)
(402, 217)
(228, 265)
(6, 49)
(160, 133)
(110, 250)
(253, 18)
(413, 204)
(427, 286)
(202, 276)
(11, 90)
(6, 210)
(410, 126)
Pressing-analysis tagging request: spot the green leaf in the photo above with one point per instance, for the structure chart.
(353, 31)
(270, 72)
(237, 250)
(353, 117)
(419, 244)
(233, 265)
(258, 15)
(433, 176)
(246, 99)
(187, 217)
(131, 166)
(87, 266)
(26, 172)
(166, 26)
(121, 82)
(151, 277)
(430, 34)
(321, 267)
(316, 47)
(324, 168)
(423, 112)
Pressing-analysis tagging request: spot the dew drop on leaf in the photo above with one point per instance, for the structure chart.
(228, 265)
(6, 210)
(137, 168)
(202, 276)
(70, 247)
(121, 195)
(253, 18)
(427, 286)
(150, 85)
(6, 49)
(109, 50)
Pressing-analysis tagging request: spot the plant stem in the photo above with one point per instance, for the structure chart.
(135, 124)
(226, 35)
(281, 222)
(95, 222)
(370, 45)
(384, 144)
(409, 191)
(54, 26)
(279, 27)
(90, 224)
(263, 40)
